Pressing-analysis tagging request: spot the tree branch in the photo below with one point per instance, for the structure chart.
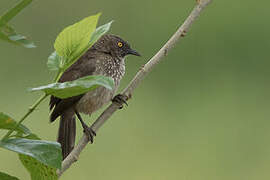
(181, 32)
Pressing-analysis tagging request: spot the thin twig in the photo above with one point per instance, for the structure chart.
(181, 32)
(30, 110)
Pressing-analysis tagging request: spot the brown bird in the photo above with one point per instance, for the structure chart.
(106, 57)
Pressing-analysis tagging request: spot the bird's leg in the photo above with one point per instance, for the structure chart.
(120, 99)
(89, 132)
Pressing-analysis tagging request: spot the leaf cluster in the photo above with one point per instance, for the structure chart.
(42, 158)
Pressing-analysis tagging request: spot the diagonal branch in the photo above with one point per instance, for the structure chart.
(181, 32)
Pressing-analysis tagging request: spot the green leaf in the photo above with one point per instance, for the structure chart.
(72, 41)
(37, 170)
(7, 122)
(8, 34)
(47, 152)
(4, 19)
(101, 30)
(76, 87)
(55, 62)
(4, 176)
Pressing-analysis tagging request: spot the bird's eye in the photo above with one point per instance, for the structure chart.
(120, 44)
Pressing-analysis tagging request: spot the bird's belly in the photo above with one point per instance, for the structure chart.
(94, 100)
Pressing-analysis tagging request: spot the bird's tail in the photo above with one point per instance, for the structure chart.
(67, 133)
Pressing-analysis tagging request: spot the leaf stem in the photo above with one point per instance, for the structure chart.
(13, 12)
(30, 110)
(59, 73)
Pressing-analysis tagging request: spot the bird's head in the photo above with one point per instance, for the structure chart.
(115, 46)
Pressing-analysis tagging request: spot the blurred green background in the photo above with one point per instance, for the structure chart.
(202, 114)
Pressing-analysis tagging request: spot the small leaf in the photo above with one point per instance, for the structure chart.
(101, 30)
(55, 62)
(37, 170)
(4, 176)
(4, 19)
(71, 42)
(47, 152)
(7, 33)
(7, 122)
(76, 87)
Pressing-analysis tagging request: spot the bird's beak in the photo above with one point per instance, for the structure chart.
(133, 52)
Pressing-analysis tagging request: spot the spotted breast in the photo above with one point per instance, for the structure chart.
(95, 99)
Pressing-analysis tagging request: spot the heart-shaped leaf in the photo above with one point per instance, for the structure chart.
(74, 39)
(56, 62)
(76, 87)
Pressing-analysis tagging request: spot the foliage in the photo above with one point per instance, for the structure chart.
(7, 33)
(42, 158)
(74, 39)
(76, 87)
(60, 63)
(45, 156)
(49, 153)
(38, 170)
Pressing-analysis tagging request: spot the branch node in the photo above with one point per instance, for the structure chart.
(142, 69)
(31, 109)
(165, 52)
(184, 33)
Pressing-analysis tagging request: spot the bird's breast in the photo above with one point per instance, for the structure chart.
(95, 99)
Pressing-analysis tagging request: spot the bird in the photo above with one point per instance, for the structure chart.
(107, 58)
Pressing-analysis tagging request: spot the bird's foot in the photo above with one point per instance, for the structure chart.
(90, 133)
(120, 99)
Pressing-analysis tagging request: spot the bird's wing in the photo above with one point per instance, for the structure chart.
(84, 66)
